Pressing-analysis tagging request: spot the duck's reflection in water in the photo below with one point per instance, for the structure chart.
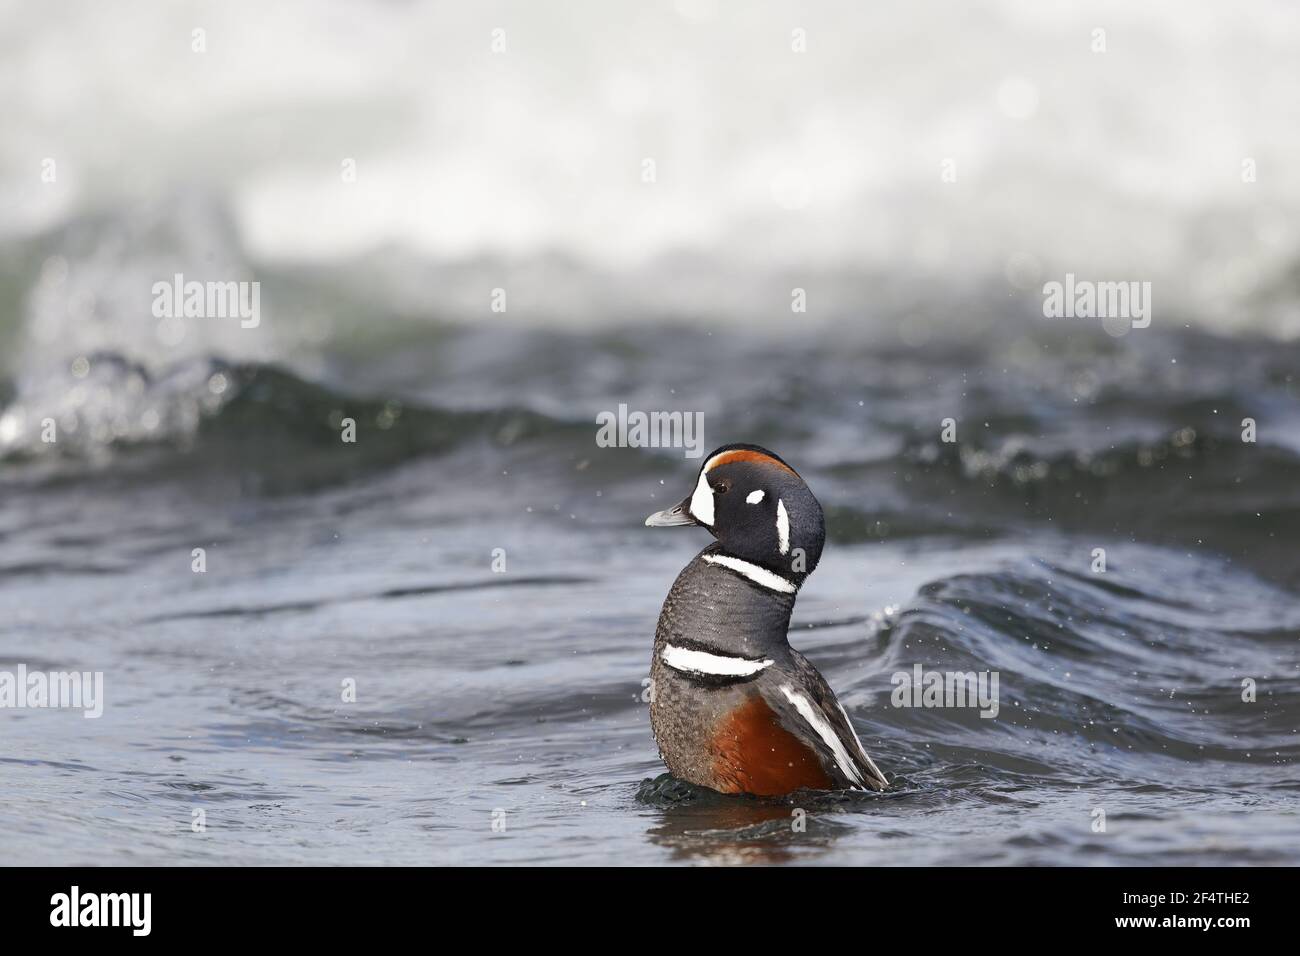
(704, 827)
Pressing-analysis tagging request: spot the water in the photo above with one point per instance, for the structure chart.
(515, 697)
(520, 692)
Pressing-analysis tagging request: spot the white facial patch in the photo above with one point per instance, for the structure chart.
(711, 665)
(782, 528)
(702, 500)
(825, 731)
(754, 497)
(760, 576)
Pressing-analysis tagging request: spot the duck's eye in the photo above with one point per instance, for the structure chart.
(723, 486)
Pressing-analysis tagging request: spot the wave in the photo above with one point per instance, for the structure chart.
(209, 414)
(882, 474)
(1099, 673)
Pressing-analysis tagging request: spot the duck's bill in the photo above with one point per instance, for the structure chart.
(678, 514)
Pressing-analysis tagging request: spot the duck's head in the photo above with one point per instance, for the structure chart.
(757, 507)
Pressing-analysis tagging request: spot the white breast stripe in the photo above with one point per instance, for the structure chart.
(858, 740)
(760, 576)
(716, 665)
(782, 528)
(825, 731)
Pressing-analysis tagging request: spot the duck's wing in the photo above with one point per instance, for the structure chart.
(808, 707)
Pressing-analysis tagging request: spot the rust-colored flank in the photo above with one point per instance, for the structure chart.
(744, 454)
(755, 754)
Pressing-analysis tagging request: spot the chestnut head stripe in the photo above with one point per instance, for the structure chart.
(745, 454)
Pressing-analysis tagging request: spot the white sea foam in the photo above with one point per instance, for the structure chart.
(768, 163)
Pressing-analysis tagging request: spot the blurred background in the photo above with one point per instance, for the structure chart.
(524, 168)
(644, 185)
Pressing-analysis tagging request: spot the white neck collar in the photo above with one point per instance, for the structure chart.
(760, 576)
(713, 665)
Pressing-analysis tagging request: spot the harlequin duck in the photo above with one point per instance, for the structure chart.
(734, 707)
